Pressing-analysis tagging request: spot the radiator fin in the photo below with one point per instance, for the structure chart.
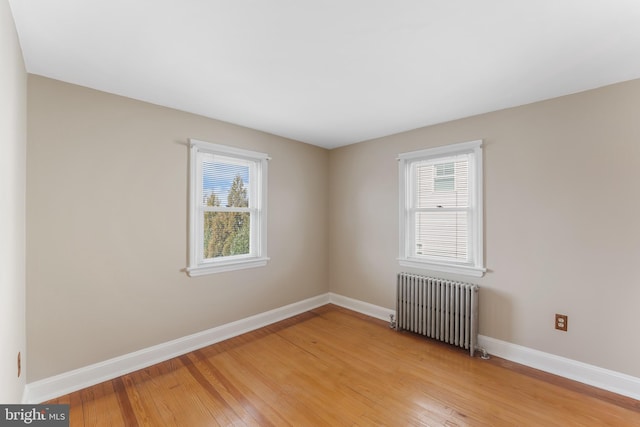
(441, 309)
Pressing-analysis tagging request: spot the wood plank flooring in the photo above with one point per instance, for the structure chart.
(334, 367)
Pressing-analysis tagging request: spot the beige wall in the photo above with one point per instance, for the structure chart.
(562, 205)
(13, 143)
(107, 225)
(107, 228)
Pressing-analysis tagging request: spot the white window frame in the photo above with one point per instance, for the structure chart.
(257, 256)
(475, 264)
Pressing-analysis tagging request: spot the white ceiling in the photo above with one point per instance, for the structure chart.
(333, 72)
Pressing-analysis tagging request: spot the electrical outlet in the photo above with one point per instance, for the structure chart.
(562, 321)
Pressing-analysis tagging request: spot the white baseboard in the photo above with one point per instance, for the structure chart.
(49, 388)
(361, 306)
(606, 379)
(65, 383)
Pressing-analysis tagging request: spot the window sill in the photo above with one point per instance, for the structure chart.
(222, 266)
(444, 268)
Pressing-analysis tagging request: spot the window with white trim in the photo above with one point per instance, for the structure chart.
(228, 199)
(441, 223)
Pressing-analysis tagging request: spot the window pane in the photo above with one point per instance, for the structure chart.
(225, 182)
(444, 169)
(226, 234)
(442, 185)
(442, 234)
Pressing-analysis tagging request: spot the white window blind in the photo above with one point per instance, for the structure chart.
(441, 208)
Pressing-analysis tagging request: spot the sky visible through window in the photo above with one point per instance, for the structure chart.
(217, 178)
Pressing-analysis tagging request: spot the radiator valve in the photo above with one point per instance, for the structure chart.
(392, 321)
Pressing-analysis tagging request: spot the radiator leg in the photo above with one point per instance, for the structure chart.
(484, 355)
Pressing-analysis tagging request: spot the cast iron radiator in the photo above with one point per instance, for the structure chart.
(441, 309)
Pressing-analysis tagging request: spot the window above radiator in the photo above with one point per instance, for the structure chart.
(441, 225)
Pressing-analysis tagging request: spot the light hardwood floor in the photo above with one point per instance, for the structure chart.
(334, 367)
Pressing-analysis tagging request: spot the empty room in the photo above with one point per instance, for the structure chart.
(320, 212)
